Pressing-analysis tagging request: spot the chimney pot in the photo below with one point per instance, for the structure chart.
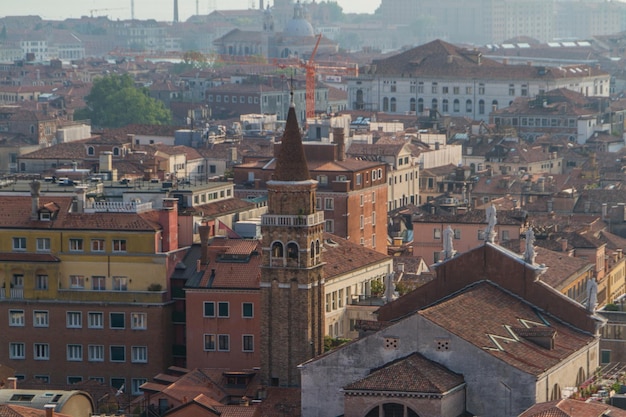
(49, 409)
(13, 382)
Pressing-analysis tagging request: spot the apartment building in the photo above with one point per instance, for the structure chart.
(84, 290)
(352, 193)
(441, 77)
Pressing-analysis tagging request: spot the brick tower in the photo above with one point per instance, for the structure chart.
(292, 281)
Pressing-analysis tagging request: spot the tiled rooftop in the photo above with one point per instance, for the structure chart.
(480, 315)
(413, 373)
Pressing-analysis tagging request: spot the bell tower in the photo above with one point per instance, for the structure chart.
(292, 280)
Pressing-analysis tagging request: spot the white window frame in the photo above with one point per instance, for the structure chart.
(329, 203)
(74, 319)
(77, 281)
(243, 343)
(95, 320)
(17, 350)
(41, 351)
(119, 283)
(221, 337)
(41, 318)
(74, 352)
(212, 337)
(119, 245)
(136, 383)
(138, 321)
(16, 318)
(139, 354)
(76, 245)
(98, 245)
(19, 244)
(43, 244)
(95, 353)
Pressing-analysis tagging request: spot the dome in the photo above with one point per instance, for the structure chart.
(298, 26)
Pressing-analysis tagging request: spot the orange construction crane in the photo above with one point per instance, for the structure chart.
(309, 66)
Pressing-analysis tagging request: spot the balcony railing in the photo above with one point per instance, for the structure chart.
(292, 221)
(14, 293)
(117, 207)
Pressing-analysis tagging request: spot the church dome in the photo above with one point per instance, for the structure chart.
(298, 26)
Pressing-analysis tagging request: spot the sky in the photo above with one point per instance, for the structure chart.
(162, 10)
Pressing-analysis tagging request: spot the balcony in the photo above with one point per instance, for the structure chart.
(292, 221)
(112, 296)
(13, 293)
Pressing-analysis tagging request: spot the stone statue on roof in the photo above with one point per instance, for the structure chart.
(448, 243)
(530, 254)
(492, 220)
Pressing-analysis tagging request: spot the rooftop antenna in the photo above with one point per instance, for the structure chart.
(132, 10)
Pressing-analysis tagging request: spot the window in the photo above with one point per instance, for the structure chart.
(481, 107)
(481, 88)
(43, 244)
(41, 351)
(77, 281)
(362, 200)
(456, 106)
(457, 233)
(223, 342)
(361, 222)
(136, 383)
(95, 320)
(74, 379)
(209, 309)
(468, 106)
(74, 352)
(329, 226)
(118, 384)
(120, 284)
(76, 245)
(468, 90)
(436, 233)
(222, 309)
(139, 354)
(16, 318)
(505, 235)
(74, 320)
(247, 310)
(97, 245)
(19, 243)
(17, 351)
(119, 245)
(117, 321)
(456, 90)
(318, 203)
(445, 105)
(40, 318)
(209, 342)
(248, 343)
(434, 88)
(98, 283)
(96, 353)
(117, 353)
(41, 282)
(358, 179)
(481, 235)
(138, 321)
(511, 89)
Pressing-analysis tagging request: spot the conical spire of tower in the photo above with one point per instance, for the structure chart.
(291, 164)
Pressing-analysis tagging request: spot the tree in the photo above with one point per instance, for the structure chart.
(115, 101)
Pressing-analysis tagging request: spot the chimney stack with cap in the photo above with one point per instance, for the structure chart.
(49, 409)
(340, 140)
(35, 186)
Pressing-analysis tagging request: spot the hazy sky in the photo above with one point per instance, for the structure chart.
(144, 9)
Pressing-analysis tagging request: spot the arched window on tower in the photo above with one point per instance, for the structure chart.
(292, 250)
(312, 250)
(277, 250)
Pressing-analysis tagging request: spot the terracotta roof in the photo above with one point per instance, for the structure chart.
(220, 208)
(413, 373)
(291, 164)
(15, 213)
(572, 408)
(280, 401)
(561, 267)
(10, 410)
(342, 256)
(481, 314)
(233, 263)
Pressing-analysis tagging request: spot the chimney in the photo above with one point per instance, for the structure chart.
(340, 140)
(131, 138)
(49, 409)
(175, 11)
(604, 210)
(13, 381)
(204, 231)
(232, 154)
(168, 218)
(563, 245)
(35, 186)
(80, 200)
(106, 161)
